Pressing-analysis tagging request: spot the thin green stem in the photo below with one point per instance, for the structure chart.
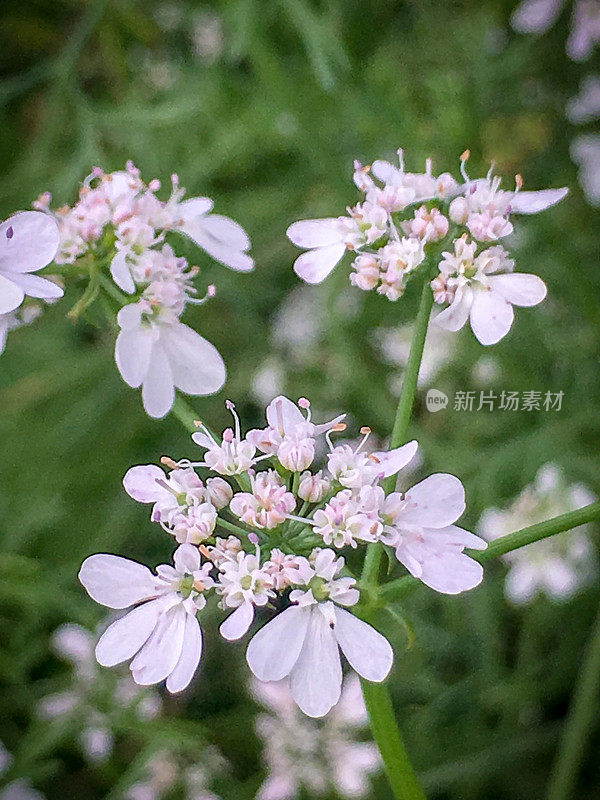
(580, 720)
(386, 733)
(183, 411)
(395, 590)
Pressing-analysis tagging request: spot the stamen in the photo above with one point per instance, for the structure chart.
(339, 426)
(168, 462)
(238, 431)
(300, 519)
(253, 538)
(366, 432)
(463, 160)
(428, 166)
(518, 182)
(305, 404)
(211, 291)
(400, 152)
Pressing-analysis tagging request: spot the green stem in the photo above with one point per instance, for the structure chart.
(580, 720)
(185, 414)
(387, 737)
(386, 733)
(394, 590)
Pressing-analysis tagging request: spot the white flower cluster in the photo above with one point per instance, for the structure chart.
(406, 219)
(558, 567)
(320, 757)
(119, 223)
(285, 522)
(79, 703)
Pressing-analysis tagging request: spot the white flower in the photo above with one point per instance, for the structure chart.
(420, 526)
(156, 351)
(585, 152)
(171, 494)
(242, 584)
(344, 521)
(233, 455)
(424, 185)
(317, 755)
(483, 293)
(303, 640)
(161, 633)
(28, 241)
(355, 468)
(429, 226)
(290, 435)
(313, 487)
(267, 505)
(559, 566)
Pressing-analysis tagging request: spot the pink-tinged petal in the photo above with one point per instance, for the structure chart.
(189, 659)
(159, 656)
(519, 288)
(274, 650)
(141, 483)
(393, 461)
(283, 415)
(223, 239)
(186, 559)
(194, 207)
(11, 295)
(121, 273)
(28, 241)
(453, 536)
(236, 625)
(121, 640)
(435, 502)
(534, 202)
(158, 388)
(133, 350)
(451, 573)
(116, 582)
(130, 316)
(368, 652)
(491, 317)
(316, 677)
(227, 232)
(386, 172)
(535, 16)
(310, 233)
(454, 317)
(315, 265)
(196, 365)
(35, 286)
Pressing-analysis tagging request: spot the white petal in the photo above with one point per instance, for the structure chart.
(35, 286)
(132, 354)
(393, 461)
(491, 317)
(315, 265)
(535, 16)
(223, 239)
(130, 316)
(310, 233)
(196, 364)
(451, 573)
(519, 288)
(316, 678)
(116, 582)
(189, 659)
(194, 207)
(11, 295)
(186, 559)
(121, 640)
(454, 317)
(386, 172)
(534, 202)
(236, 625)
(367, 651)
(33, 243)
(436, 502)
(227, 232)
(159, 656)
(158, 389)
(141, 483)
(454, 536)
(274, 650)
(282, 412)
(121, 274)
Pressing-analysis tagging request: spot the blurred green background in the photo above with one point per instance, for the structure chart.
(263, 106)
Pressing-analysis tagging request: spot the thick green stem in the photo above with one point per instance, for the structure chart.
(387, 737)
(394, 590)
(386, 733)
(580, 720)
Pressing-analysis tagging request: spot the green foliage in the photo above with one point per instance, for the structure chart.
(265, 111)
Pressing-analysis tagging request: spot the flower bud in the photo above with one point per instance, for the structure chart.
(296, 454)
(313, 488)
(218, 492)
(459, 210)
(367, 272)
